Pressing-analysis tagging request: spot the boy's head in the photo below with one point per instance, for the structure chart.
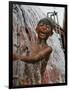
(44, 28)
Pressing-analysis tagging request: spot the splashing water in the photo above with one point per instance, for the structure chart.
(25, 19)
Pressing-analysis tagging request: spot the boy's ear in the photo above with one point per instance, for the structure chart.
(52, 31)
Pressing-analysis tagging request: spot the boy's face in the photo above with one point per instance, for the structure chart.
(44, 31)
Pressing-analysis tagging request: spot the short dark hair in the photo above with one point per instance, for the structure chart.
(47, 21)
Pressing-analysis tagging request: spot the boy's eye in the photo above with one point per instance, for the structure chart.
(48, 26)
(41, 24)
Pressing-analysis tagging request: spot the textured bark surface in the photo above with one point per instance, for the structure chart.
(25, 20)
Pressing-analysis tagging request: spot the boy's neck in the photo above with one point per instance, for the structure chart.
(42, 42)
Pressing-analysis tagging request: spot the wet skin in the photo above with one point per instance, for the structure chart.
(44, 31)
(38, 52)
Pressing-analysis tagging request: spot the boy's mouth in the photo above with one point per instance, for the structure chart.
(42, 35)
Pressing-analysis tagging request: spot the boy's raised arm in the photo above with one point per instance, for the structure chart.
(33, 58)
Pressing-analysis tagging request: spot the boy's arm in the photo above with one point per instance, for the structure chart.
(38, 56)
